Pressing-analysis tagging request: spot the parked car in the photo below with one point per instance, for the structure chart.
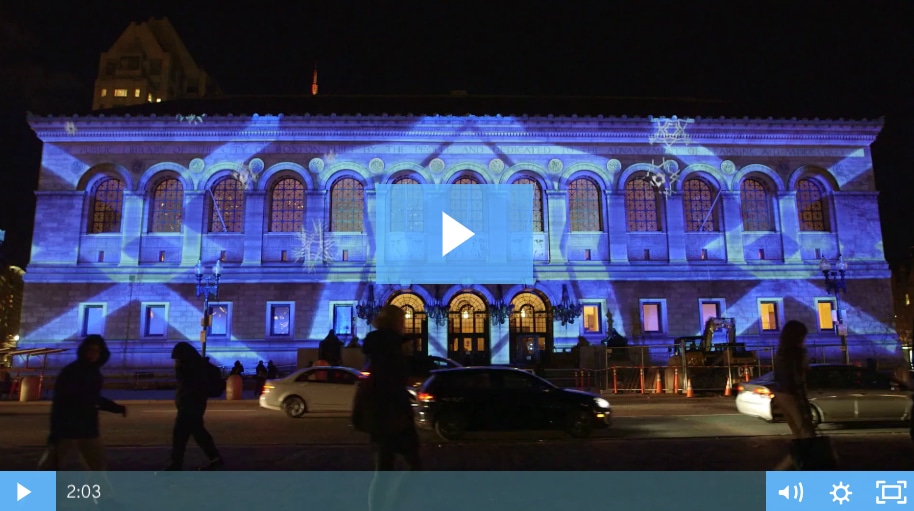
(837, 393)
(315, 389)
(421, 367)
(454, 401)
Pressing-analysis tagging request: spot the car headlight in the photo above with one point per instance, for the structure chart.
(602, 403)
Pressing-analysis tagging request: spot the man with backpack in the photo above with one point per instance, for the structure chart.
(198, 380)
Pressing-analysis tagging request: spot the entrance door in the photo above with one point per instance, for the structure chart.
(530, 330)
(468, 331)
(416, 319)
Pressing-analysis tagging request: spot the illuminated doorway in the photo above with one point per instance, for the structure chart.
(416, 320)
(468, 330)
(530, 335)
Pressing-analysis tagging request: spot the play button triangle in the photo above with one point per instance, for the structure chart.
(453, 234)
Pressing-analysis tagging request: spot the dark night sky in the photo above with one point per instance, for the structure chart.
(846, 59)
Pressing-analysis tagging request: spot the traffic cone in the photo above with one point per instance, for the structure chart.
(658, 386)
(727, 390)
(689, 392)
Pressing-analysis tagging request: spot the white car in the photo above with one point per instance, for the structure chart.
(315, 389)
(837, 393)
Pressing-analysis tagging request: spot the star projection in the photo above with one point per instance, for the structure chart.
(314, 247)
(670, 132)
(191, 119)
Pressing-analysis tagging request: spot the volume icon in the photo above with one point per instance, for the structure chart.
(797, 492)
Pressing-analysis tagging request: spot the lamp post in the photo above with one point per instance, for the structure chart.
(207, 287)
(834, 284)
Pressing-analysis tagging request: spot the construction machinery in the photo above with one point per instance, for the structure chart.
(696, 357)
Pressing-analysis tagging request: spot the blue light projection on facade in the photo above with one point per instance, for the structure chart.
(728, 233)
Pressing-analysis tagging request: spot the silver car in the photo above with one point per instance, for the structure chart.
(316, 389)
(837, 393)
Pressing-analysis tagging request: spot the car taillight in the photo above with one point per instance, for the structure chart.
(267, 388)
(740, 388)
(364, 374)
(425, 397)
(763, 391)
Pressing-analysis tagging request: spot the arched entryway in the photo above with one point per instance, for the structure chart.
(468, 330)
(531, 328)
(416, 320)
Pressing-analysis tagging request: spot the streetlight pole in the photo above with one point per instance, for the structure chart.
(834, 284)
(207, 287)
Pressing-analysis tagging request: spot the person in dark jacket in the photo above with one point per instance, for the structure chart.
(330, 349)
(790, 368)
(272, 371)
(390, 411)
(74, 409)
(190, 400)
(260, 379)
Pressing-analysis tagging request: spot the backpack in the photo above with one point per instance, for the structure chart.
(215, 385)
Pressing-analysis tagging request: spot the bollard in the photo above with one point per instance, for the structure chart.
(658, 386)
(689, 392)
(615, 382)
(728, 390)
(675, 380)
(642, 380)
(29, 389)
(233, 388)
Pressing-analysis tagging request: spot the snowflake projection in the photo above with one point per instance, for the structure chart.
(70, 128)
(191, 119)
(245, 175)
(670, 132)
(314, 246)
(661, 177)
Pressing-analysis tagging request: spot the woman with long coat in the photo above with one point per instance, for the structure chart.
(790, 368)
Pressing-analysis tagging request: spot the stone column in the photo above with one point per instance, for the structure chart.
(618, 227)
(675, 228)
(195, 224)
(133, 227)
(369, 220)
(557, 223)
(732, 226)
(317, 209)
(790, 226)
(253, 228)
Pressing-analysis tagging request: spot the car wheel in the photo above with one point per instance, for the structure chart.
(580, 424)
(451, 426)
(295, 407)
(816, 416)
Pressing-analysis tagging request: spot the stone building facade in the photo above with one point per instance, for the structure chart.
(650, 225)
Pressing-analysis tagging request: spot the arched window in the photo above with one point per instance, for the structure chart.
(467, 203)
(167, 207)
(584, 205)
(811, 206)
(641, 209)
(700, 206)
(347, 200)
(226, 206)
(537, 201)
(107, 205)
(287, 205)
(755, 204)
(408, 215)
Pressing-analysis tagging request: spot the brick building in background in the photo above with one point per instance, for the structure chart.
(128, 204)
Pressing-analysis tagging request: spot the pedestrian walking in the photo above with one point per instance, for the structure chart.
(272, 371)
(330, 349)
(74, 409)
(384, 407)
(260, 379)
(791, 366)
(192, 375)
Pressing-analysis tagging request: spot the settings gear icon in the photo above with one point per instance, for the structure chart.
(845, 488)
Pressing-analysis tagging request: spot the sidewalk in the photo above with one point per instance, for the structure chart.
(126, 397)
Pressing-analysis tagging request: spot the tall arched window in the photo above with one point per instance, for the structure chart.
(755, 204)
(467, 203)
(584, 205)
(226, 206)
(107, 206)
(287, 205)
(811, 206)
(537, 201)
(641, 209)
(409, 213)
(347, 200)
(167, 207)
(700, 206)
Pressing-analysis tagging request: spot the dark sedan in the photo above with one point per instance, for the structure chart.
(454, 401)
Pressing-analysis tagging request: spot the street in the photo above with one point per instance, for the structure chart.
(647, 434)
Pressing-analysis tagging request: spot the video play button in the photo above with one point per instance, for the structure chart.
(22, 492)
(453, 234)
